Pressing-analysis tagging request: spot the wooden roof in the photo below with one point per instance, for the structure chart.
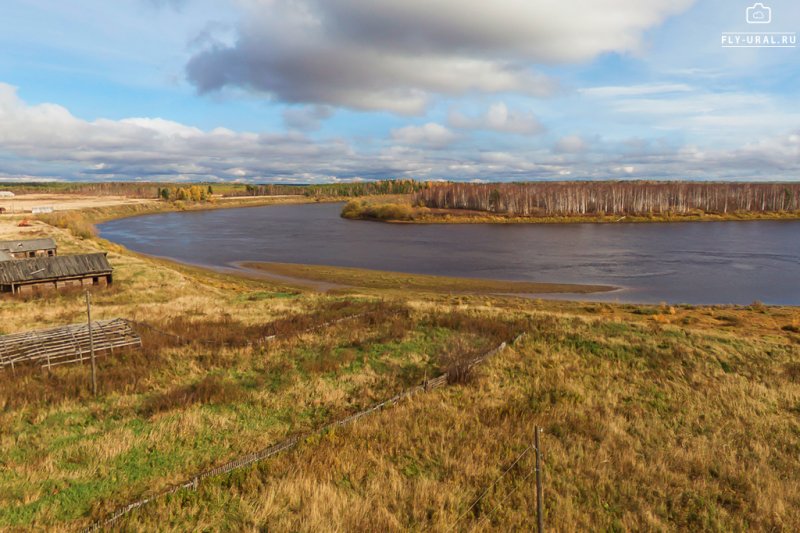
(53, 268)
(28, 245)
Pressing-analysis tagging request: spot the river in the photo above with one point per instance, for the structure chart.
(691, 262)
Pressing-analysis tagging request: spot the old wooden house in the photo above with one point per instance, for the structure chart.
(42, 273)
(26, 249)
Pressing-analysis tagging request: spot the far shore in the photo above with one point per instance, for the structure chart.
(400, 213)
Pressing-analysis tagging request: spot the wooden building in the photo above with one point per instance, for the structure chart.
(41, 273)
(29, 248)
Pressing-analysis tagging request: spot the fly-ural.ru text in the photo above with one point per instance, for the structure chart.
(759, 40)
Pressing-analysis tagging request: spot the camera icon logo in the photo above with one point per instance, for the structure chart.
(758, 13)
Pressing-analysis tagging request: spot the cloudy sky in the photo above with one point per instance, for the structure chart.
(320, 90)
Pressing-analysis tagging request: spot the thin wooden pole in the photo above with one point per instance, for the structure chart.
(539, 506)
(91, 342)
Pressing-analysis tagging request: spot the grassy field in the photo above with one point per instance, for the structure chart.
(655, 417)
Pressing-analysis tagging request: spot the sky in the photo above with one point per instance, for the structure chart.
(310, 91)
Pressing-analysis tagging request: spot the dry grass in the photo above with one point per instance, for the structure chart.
(643, 430)
(656, 417)
(209, 390)
(374, 279)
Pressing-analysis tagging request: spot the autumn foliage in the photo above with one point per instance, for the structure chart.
(349, 190)
(193, 193)
(613, 198)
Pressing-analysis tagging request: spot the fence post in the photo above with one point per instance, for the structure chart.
(91, 342)
(539, 506)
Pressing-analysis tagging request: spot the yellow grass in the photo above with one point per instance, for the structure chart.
(655, 417)
(374, 279)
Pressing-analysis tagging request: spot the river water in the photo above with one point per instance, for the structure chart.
(697, 263)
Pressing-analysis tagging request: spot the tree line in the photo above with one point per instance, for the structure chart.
(613, 198)
(191, 193)
(171, 191)
(111, 188)
(350, 190)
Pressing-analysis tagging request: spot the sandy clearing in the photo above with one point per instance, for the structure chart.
(64, 202)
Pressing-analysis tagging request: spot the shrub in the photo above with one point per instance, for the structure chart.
(392, 212)
(455, 361)
(359, 210)
(353, 209)
(210, 389)
(792, 371)
(73, 221)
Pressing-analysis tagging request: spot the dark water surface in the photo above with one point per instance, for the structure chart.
(709, 262)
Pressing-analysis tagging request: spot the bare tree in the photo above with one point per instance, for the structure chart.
(612, 197)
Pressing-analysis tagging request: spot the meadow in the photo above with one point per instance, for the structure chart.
(655, 417)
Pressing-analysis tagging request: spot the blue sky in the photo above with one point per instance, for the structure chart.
(313, 90)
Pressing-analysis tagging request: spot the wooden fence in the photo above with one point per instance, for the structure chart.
(66, 344)
(246, 460)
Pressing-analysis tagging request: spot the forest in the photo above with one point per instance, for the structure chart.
(355, 189)
(172, 191)
(112, 188)
(612, 197)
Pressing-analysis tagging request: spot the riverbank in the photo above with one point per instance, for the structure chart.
(678, 263)
(616, 383)
(339, 277)
(98, 215)
(82, 221)
(404, 213)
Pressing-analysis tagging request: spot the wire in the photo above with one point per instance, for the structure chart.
(503, 500)
(496, 481)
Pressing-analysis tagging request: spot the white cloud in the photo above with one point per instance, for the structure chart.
(627, 169)
(431, 134)
(306, 118)
(47, 141)
(721, 117)
(571, 144)
(498, 118)
(636, 90)
(49, 136)
(395, 54)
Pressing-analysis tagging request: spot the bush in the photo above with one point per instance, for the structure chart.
(359, 210)
(353, 209)
(73, 221)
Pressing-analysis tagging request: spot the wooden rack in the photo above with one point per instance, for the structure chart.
(66, 344)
